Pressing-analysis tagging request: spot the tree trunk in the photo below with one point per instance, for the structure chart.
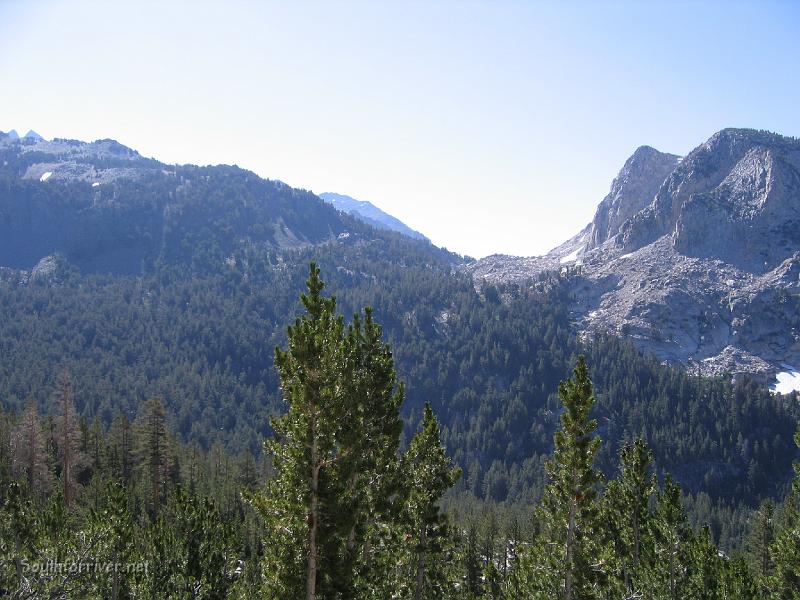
(570, 549)
(313, 515)
(423, 540)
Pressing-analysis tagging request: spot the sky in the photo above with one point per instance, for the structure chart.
(491, 127)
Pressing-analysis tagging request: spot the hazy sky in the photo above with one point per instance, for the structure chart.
(490, 127)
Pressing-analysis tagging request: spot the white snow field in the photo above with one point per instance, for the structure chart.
(788, 381)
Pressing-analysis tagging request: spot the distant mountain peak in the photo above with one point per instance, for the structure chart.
(369, 213)
(695, 259)
(633, 188)
(32, 135)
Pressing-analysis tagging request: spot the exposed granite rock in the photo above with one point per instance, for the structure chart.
(632, 190)
(102, 161)
(707, 272)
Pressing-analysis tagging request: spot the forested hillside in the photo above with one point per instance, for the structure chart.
(343, 511)
(179, 282)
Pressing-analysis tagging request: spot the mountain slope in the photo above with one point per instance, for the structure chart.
(370, 214)
(700, 268)
(180, 282)
(108, 209)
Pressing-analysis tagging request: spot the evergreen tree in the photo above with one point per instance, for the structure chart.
(30, 454)
(67, 437)
(120, 449)
(334, 456)
(627, 514)
(153, 452)
(666, 578)
(784, 583)
(429, 474)
(562, 563)
(472, 562)
(759, 542)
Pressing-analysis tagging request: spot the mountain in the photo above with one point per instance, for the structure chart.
(177, 281)
(696, 260)
(369, 213)
(108, 209)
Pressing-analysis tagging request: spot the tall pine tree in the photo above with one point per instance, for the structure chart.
(562, 562)
(334, 455)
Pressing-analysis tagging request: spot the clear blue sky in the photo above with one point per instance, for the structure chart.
(490, 127)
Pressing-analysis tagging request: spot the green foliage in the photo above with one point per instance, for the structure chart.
(565, 554)
(338, 500)
(422, 563)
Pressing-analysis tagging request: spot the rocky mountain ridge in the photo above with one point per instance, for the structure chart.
(370, 214)
(695, 259)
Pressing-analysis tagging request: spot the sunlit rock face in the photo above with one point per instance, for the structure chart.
(701, 267)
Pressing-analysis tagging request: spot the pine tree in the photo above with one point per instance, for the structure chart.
(30, 455)
(67, 437)
(472, 562)
(562, 561)
(6, 457)
(334, 454)
(627, 514)
(120, 449)
(429, 474)
(666, 578)
(369, 478)
(704, 573)
(784, 583)
(153, 452)
(760, 539)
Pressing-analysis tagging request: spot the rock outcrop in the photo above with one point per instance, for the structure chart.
(702, 267)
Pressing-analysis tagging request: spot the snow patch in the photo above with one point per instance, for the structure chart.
(96, 184)
(787, 381)
(569, 257)
(46, 176)
(628, 255)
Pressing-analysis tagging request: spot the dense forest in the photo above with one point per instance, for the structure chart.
(178, 284)
(340, 507)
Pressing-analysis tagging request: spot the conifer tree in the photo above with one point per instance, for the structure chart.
(704, 572)
(627, 515)
(562, 561)
(665, 579)
(334, 454)
(760, 539)
(67, 437)
(472, 562)
(784, 582)
(120, 449)
(153, 452)
(429, 474)
(30, 455)
(6, 457)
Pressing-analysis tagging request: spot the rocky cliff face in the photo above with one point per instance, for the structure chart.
(632, 190)
(702, 267)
